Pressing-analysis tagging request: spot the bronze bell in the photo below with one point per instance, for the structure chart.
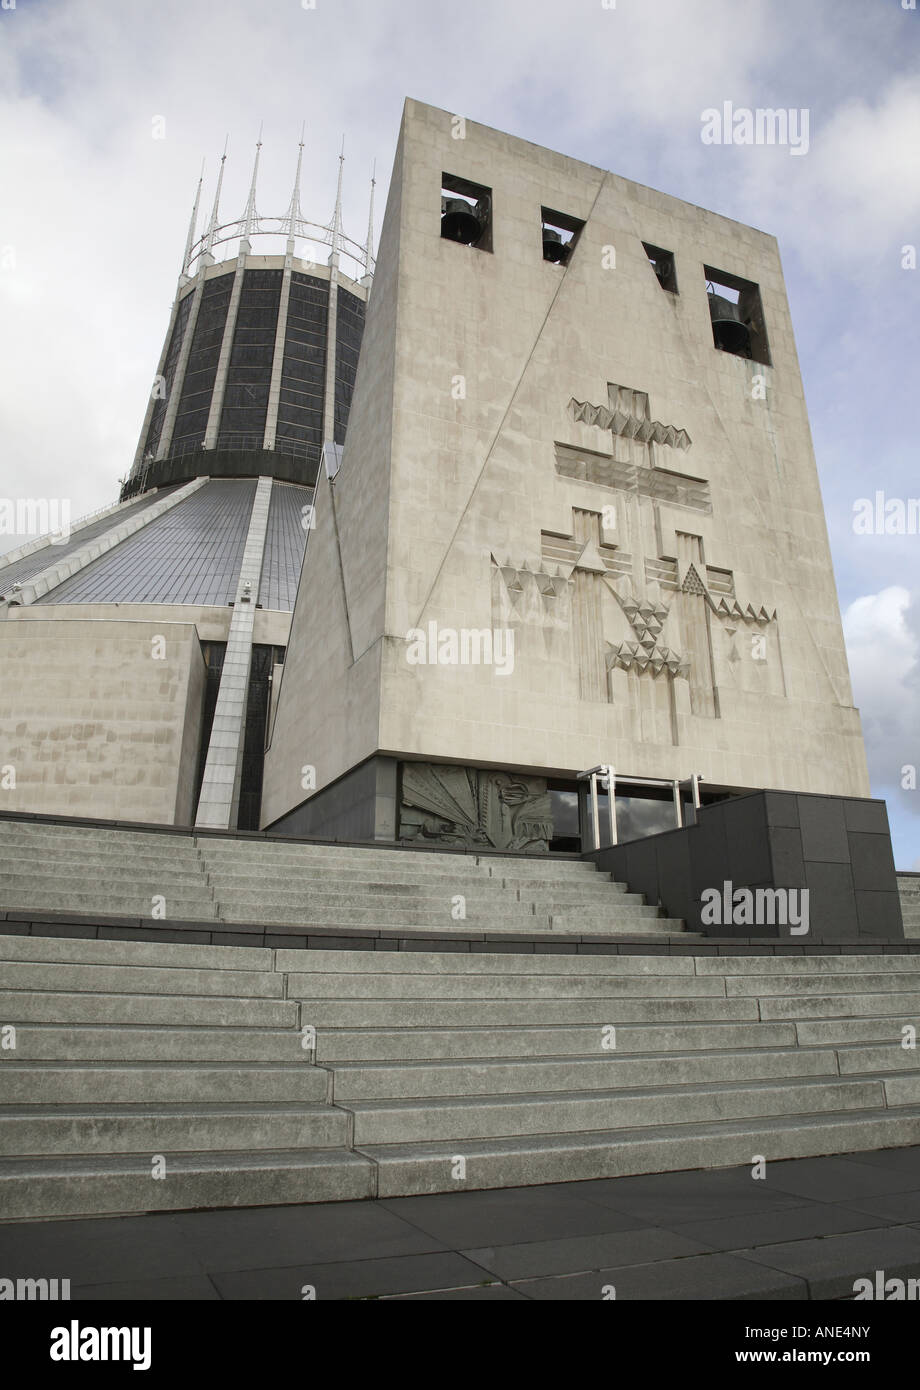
(663, 267)
(729, 330)
(554, 248)
(461, 222)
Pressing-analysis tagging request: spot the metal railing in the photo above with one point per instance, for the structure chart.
(605, 776)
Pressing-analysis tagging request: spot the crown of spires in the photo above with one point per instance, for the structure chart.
(292, 224)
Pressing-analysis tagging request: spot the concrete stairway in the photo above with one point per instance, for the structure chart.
(431, 1071)
(127, 1052)
(909, 892)
(87, 869)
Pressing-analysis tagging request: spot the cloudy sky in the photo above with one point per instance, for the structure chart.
(107, 108)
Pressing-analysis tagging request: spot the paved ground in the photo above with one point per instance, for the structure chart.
(805, 1231)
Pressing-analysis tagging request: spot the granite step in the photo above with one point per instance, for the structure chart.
(85, 1042)
(458, 1120)
(133, 1009)
(167, 1129)
(109, 1185)
(405, 1169)
(127, 979)
(101, 1083)
(379, 1045)
(500, 1076)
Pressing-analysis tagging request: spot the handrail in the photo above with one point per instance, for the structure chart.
(604, 774)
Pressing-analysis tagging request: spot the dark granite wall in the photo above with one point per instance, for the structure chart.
(838, 848)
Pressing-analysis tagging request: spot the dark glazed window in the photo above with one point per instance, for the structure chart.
(300, 412)
(152, 442)
(349, 331)
(195, 402)
(242, 417)
(213, 653)
(257, 707)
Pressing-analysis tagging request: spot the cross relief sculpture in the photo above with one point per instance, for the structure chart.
(667, 602)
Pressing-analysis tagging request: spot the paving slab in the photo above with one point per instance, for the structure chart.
(898, 1160)
(667, 1199)
(192, 1289)
(769, 1227)
(354, 1278)
(893, 1208)
(831, 1265)
(583, 1253)
(105, 1250)
(505, 1215)
(272, 1237)
(489, 1293)
(838, 1180)
(701, 1278)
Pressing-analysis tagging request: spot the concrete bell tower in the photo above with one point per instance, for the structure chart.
(578, 519)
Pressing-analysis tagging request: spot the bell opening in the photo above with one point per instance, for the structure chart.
(559, 235)
(466, 213)
(736, 313)
(662, 262)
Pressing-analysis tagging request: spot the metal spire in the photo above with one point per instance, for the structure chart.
(369, 248)
(294, 214)
(250, 215)
(190, 239)
(337, 216)
(206, 256)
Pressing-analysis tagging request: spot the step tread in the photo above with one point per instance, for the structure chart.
(180, 1162)
(525, 1098)
(606, 1139)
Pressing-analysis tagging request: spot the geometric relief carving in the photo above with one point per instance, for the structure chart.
(534, 597)
(645, 653)
(580, 576)
(659, 484)
(470, 807)
(628, 417)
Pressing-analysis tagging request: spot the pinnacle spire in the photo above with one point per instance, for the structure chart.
(337, 216)
(250, 216)
(294, 214)
(207, 256)
(369, 247)
(190, 239)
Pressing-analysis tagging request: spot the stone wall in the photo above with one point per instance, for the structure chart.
(94, 723)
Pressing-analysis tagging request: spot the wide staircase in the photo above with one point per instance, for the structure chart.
(138, 1077)
(53, 867)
